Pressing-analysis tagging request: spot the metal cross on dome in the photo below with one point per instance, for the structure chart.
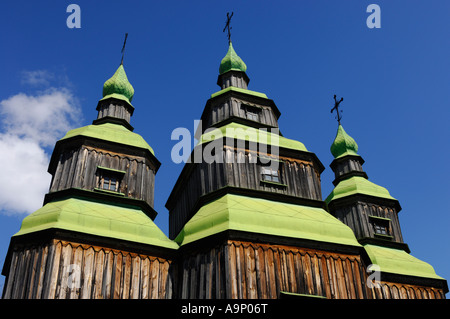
(336, 107)
(123, 48)
(227, 26)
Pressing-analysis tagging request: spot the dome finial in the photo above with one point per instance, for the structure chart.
(336, 107)
(228, 27)
(123, 48)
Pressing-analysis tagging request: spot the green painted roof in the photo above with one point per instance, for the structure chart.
(357, 185)
(247, 133)
(343, 144)
(236, 89)
(231, 62)
(118, 86)
(235, 212)
(397, 261)
(107, 220)
(111, 132)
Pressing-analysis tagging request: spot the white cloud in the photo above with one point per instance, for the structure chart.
(25, 178)
(31, 124)
(42, 118)
(36, 78)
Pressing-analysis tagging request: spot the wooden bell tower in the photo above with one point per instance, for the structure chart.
(94, 237)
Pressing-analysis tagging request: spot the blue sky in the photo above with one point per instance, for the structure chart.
(394, 80)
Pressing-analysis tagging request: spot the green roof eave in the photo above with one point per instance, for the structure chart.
(347, 153)
(110, 132)
(395, 261)
(357, 185)
(262, 216)
(118, 97)
(251, 134)
(99, 219)
(240, 90)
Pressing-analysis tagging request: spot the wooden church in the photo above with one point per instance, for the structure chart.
(247, 221)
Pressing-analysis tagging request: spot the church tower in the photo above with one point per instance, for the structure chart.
(247, 209)
(372, 213)
(95, 237)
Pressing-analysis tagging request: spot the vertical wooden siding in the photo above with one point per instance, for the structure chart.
(233, 107)
(244, 270)
(114, 109)
(260, 271)
(78, 168)
(235, 269)
(45, 271)
(357, 218)
(239, 169)
(389, 290)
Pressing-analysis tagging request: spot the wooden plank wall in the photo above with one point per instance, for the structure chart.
(347, 166)
(78, 168)
(260, 271)
(114, 109)
(230, 106)
(232, 79)
(389, 290)
(235, 269)
(246, 270)
(41, 271)
(357, 218)
(300, 177)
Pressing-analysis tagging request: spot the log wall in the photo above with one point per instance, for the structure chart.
(67, 270)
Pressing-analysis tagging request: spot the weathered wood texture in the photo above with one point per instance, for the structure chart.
(356, 216)
(389, 290)
(227, 107)
(77, 168)
(67, 270)
(249, 270)
(244, 270)
(232, 79)
(114, 108)
(238, 169)
(347, 166)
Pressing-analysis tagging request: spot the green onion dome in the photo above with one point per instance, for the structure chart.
(343, 144)
(232, 62)
(118, 86)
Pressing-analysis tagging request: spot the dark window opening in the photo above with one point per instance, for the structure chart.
(252, 113)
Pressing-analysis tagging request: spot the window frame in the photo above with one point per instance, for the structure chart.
(266, 167)
(252, 113)
(381, 226)
(109, 174)
(271, 174)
